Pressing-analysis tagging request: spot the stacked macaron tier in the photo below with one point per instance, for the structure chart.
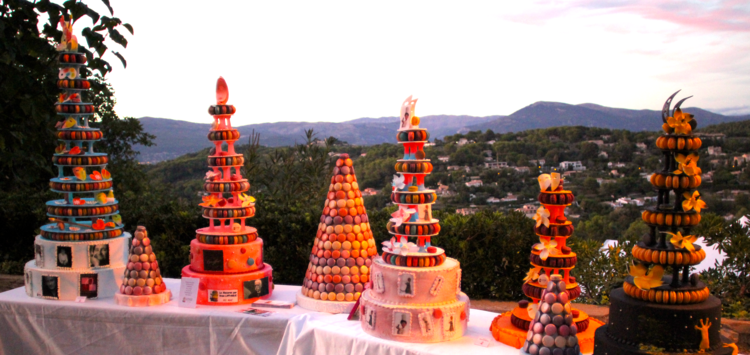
(142, 284)
(552, 330)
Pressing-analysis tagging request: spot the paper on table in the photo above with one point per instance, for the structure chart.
(188, 292)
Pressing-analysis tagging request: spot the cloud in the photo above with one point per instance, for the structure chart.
(733, 111)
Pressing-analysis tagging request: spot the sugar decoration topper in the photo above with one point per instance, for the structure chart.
(408, 118)
(68, 42)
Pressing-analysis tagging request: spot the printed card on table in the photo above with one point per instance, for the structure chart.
(188, 292)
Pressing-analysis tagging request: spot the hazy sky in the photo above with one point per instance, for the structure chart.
(340, 60)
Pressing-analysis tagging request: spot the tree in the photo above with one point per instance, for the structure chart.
(590, 185)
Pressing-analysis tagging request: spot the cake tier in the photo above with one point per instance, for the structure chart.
(564, 229)
(665, 218)
(224, 135)
(326, 306)
(686, 294)
(411, 167)
(415, 259)
(51, 232)
(412, 323)
(71, 58)
(673, 181)
(232, 289)
(225, 238)
(90, 159)
(669, 255)
(634, 324)
(416, 228)
(608, 345)
(398, 285)
(234, 258)
(558, 198)
(229, 212)
(73, 84)
(227, 160)
(678, 143)
(534, 290)
(89, 208)
(414, 197)
(229, 186)
(67, 184)
(143, 300)
(80, 256)
(70, 284)
(561, 261)
(79, 135)
(412, 135)
(218, 110)
(504, 330)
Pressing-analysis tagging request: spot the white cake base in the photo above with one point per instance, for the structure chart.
(324, 306)
(143, 300)
(67, 284)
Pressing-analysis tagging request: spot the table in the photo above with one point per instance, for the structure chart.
(36, 326)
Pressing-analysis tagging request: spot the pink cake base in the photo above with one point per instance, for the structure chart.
(229, 289)
(236, 258)
(143, 300)
(424, 325)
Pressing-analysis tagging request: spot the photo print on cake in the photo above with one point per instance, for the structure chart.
(401, 323)
(406, 284)
(437, 285)
(379, 285)
(39, 255)
(424, 212)
(213, 260)
(64, 256)
(256, 288)
(369, 314)
(89, 285)
(50, 287)
(425, 323)
(27, 281)
(99, 255)
(449, 323)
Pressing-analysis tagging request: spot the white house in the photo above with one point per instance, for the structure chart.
(444, 158)
(603, 154)
(641, 146)
(522, 169)
(509, 198)
(572, 165)
(474, 183)
(496, 164)
(615, 165)
(493, 200)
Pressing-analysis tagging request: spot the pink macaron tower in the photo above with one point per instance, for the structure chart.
(142, 284)
(227, 256)
(415, 294)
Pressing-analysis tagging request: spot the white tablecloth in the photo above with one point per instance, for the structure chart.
(36, 326)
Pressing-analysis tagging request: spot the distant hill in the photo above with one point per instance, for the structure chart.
(175, 138)
(544, 114)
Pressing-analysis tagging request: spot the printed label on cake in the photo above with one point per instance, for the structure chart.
(406, 284)
(99, 255)
(425, 323)
(64, 257)
(401, 323)
(223, 296)
(213, 260)
(39, 255)
(437, 285)
(369, 314)
(255, 288)
(50, 287)
(27, 280)
(379, 286)
(449, 323)
(89, 285)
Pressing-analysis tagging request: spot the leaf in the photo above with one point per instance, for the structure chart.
(117, 37)
(122, 59)
(106, 2)
(129, 27)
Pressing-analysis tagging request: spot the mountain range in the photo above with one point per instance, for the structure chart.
(175, 138)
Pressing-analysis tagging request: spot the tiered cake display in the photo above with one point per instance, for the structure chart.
(674, 313)
(227, 256)
(84, 250)
(416, 291)
(142, 284)
(344, 247)
(553, 329)
(549, 256)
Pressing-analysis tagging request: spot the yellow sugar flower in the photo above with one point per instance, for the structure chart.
(680, 122)
(542, 217)
(683, 242)
(646, 281)
(693, 202)
(688, 164)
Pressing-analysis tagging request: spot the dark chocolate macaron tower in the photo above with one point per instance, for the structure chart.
(552, 330)
(343, 249)
(673, 313)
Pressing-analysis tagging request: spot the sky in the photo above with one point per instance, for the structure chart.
(340, 60)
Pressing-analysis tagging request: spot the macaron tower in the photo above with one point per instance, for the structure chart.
(552, 330)
(550, 256)
(227, 256)
(416, 290)
(83, 251)
(673, 313)
(344, 248)
(142, 285)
